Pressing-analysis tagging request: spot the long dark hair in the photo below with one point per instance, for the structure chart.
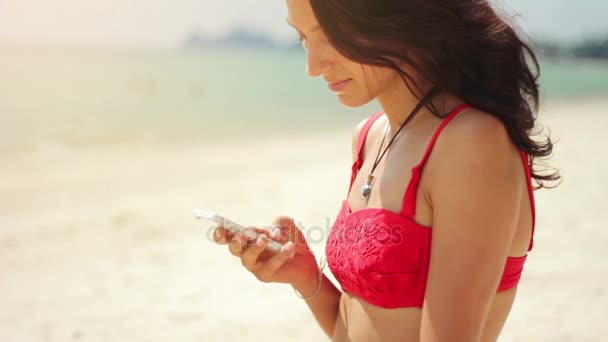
(462, 47)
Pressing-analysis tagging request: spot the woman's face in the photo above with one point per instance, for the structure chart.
(354, 83)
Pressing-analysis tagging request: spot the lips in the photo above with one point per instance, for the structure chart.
(339, 86)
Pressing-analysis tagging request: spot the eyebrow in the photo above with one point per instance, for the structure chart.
(314, 29)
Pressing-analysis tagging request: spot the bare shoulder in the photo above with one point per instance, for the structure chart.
(356, 134)
(474, 140)
(475, 134)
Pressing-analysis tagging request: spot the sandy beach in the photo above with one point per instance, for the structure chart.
(97, 243)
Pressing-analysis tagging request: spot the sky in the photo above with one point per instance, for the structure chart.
(168, 23)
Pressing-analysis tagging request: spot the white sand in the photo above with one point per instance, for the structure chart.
(98, 243)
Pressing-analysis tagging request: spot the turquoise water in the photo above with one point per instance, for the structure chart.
(81, 95)
(566, 80)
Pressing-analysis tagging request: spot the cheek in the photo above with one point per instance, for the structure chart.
(376, 80)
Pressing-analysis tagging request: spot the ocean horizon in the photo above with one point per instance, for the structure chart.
(80, 96)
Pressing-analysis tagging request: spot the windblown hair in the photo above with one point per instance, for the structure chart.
(463, 47)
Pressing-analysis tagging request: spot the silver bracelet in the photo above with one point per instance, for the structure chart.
(321, 267)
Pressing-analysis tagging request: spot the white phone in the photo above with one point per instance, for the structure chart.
(234, 227)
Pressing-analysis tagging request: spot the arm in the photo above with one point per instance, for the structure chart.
(325, 305)
(475, 191)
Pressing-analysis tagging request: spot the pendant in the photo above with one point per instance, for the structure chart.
(366, 189)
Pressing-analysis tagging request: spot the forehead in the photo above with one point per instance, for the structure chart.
(300, 14)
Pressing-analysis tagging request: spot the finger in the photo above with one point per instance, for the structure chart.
(266, 271)
(276, 234)
(289, 230)
(222, 236)
(253, 233)
(238, 245)
(261, 231)
(281, 228)
(250, 256)
(282, 221)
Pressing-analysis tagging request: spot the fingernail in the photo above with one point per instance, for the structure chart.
(276, 232)
(261, 241)
(290, 248)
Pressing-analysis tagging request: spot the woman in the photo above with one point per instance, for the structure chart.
(435, 253)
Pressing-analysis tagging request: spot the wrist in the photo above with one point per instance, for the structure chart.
(308, 283)
(310, 286)
(308, 274)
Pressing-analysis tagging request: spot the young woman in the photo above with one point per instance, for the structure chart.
(431, 241)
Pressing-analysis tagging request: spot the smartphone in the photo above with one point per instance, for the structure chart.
(234, 227)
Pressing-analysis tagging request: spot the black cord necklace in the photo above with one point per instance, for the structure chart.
(366, 189)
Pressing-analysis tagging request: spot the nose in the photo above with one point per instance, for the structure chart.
(318, 62)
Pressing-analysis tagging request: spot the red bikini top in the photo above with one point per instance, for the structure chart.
(382, 256)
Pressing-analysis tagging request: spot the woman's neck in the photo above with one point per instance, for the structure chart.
(398, 102)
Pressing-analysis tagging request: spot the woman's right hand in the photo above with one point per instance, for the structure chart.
(294, 263)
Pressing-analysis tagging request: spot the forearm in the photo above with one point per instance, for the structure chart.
(324, 305)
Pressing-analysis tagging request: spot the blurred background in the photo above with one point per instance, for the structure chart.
(118, 117)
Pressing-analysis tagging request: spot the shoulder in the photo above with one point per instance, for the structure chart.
(357, 132)
(475, 134)
(474, 144)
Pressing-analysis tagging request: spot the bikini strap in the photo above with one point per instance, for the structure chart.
(360, 145)
(409, 198)
(526, 161)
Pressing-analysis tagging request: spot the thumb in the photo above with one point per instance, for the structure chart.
(285, 229)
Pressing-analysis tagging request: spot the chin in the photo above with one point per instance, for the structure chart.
(352, 101)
